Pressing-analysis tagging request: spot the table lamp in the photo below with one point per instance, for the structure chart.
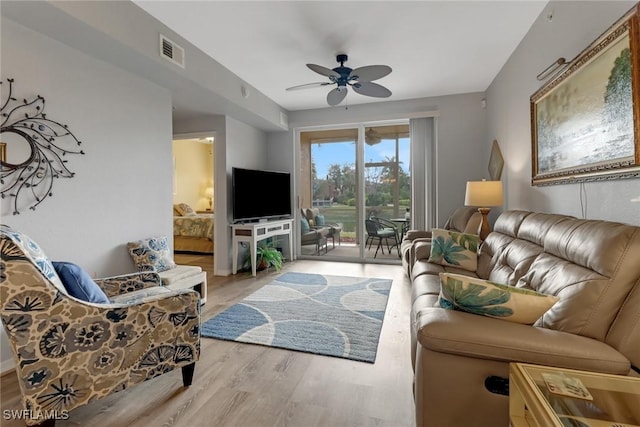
(208, 192)
(483, 194)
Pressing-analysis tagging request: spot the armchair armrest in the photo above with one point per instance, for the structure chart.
(118, 285)
(481, 337)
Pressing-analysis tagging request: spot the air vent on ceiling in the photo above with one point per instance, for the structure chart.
(171, 51)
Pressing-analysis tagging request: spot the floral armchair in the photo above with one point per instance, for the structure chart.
(69, 352)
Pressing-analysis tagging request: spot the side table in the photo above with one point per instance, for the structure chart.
(615, 403)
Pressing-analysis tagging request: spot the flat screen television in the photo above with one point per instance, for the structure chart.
(260, 194)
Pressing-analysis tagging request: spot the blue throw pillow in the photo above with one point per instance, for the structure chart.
(319, 219)
(79, 284)
(304, 225)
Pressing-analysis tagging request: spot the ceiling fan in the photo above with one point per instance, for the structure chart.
(360, 79)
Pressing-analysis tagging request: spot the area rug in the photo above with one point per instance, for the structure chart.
(315, 313)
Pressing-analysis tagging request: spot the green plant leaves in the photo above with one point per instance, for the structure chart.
(448, 250)
(467, 241)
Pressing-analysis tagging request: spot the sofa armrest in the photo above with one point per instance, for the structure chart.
(118, 285)
(421, 250)
(417, 234)
(482, 337)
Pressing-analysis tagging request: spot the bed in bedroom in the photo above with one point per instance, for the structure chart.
(193, 232)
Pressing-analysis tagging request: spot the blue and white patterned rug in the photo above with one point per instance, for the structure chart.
(330, 315)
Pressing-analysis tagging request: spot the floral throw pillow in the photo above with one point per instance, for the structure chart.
(152, 254)
(478, 296)
(184, 209)
(454, 249)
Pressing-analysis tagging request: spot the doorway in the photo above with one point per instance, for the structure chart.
(357, 180)
(194, 199)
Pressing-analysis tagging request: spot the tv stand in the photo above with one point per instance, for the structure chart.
(254, 232)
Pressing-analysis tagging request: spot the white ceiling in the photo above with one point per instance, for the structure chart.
(434, 47)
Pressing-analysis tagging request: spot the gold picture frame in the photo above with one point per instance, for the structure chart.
(585, 123)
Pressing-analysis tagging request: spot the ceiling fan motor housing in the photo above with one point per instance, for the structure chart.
(343, 71)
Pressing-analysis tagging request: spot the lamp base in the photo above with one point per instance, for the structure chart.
(484, 229)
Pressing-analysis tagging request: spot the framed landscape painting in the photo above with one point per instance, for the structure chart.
(585, 123)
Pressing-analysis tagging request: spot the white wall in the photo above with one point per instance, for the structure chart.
(121, 33)
(122, 188)
(575, 26)
(246, 148)
(193, 172)
(214, 125)
(237, 144)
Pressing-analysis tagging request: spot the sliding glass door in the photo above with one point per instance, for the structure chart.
(387, 185)
(328, 193)
(351, 180)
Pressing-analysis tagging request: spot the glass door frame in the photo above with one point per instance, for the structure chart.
(360, 188)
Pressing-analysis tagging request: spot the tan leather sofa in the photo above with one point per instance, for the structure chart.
(593, 266)
(465, 220)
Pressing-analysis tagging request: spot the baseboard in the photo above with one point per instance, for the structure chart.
(7, 367)
(222, 272)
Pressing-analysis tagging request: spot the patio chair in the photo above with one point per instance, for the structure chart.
(378, 230)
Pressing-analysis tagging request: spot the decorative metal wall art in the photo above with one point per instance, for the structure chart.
(39, 144)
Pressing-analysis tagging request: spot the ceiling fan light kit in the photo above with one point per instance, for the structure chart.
(360, 79)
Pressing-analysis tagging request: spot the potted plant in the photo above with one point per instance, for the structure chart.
(266, 256)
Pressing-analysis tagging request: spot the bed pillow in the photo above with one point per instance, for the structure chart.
(454, 249)
(79, 284)
(152, 254)
(184, 209)
(478, 296)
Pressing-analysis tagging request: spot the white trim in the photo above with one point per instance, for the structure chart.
(383, 118)
(399, 119)
(194, 135)
(361, 190)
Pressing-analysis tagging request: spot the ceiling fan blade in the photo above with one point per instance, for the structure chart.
(370, 73)
(309, 85)
(336, 96)
(323, 70)
(371, 89)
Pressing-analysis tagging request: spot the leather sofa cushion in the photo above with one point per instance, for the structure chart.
(535, 226)
(427, 284)
(424, 267)
(592, 280)
(465, 334)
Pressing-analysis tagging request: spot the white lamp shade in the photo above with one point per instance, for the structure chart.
(483, 193)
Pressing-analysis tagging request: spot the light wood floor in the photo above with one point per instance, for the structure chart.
(250, 385)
